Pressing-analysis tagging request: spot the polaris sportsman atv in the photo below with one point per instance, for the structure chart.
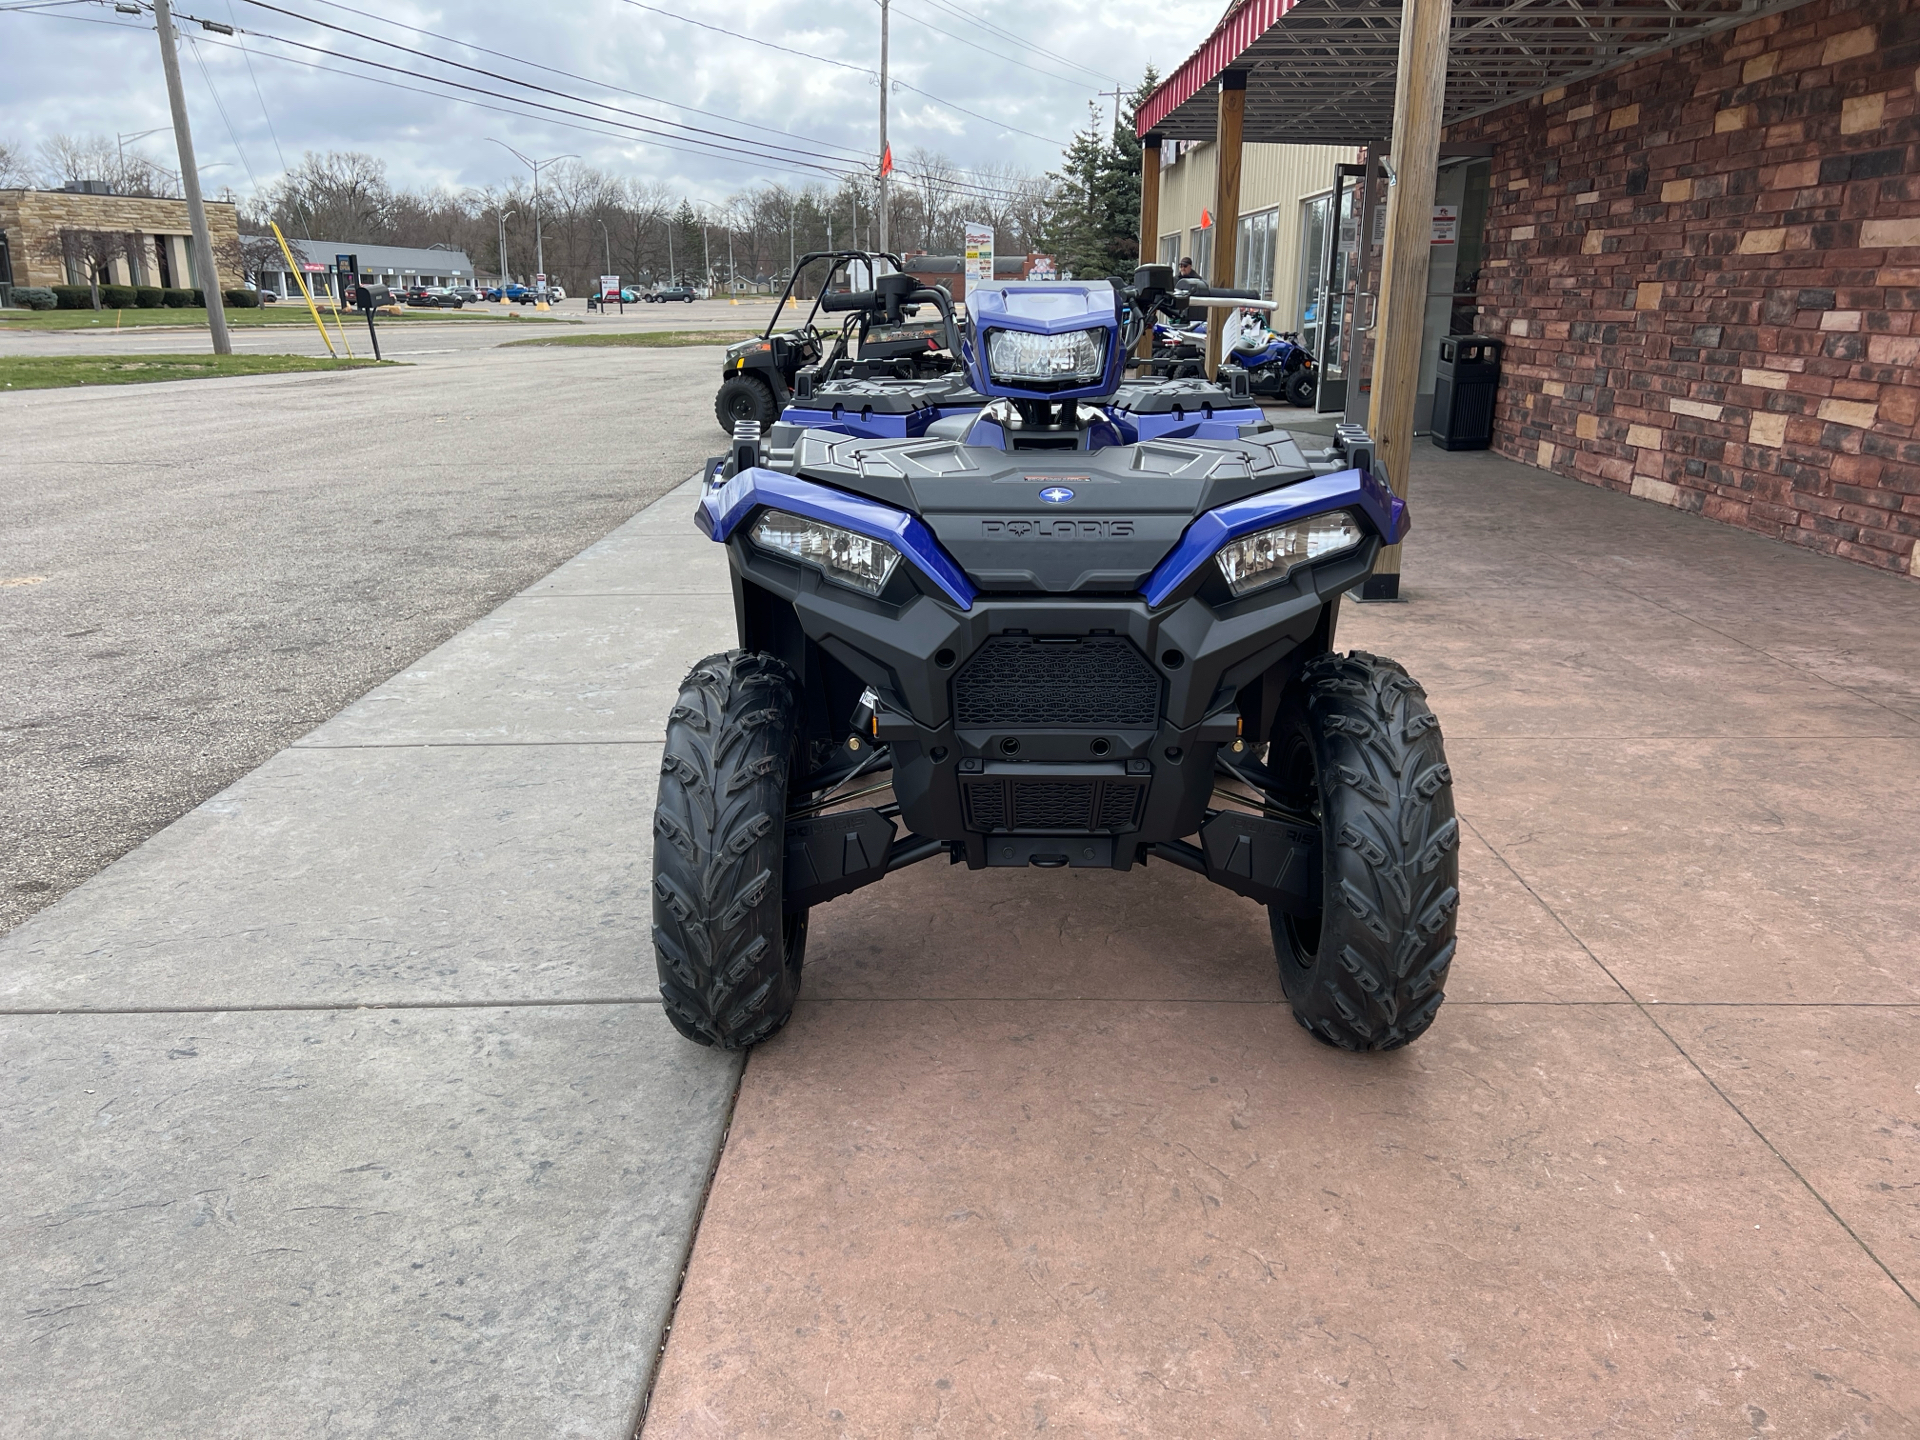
(1277, 365)
(882, 337)
(1042, 636)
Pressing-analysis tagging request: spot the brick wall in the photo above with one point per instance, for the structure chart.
(1707, 268)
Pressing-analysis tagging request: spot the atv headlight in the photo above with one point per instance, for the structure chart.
(1268, 556)
(856, 560)
(1077, 357)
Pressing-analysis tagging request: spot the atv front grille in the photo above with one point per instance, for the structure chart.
(1076, 807)
(1100, 681)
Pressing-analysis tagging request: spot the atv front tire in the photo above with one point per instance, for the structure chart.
(1301, 387)
(1356, 742)
(729, 959)
(744, 397)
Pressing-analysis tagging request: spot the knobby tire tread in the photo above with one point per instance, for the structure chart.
(729, 961)
(1390, 856)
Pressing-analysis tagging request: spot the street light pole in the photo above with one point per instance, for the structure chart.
(607, 235)
(539, 244)
(504, 217)
(190, 182)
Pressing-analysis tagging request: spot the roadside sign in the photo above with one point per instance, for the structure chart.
(540, 279)
(609, 287)
(313, 269)
(1040, 267)
(979, 253)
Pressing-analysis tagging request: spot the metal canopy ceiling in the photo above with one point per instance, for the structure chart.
(1321, 72)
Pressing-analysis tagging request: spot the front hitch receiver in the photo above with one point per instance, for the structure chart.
(1271, 861)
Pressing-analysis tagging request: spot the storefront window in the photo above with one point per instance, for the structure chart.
(1170, 249)
(1200, 247)
(1253, 256)
(1465, 318)
(1313, 266)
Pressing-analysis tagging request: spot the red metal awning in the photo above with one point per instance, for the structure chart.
(1245, 22)
(1322, 71)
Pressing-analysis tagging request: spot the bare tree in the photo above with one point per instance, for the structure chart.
(342, 195)
(68, 158)
(16, 171)
(91, 255)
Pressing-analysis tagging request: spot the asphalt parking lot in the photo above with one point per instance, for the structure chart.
(194, 574)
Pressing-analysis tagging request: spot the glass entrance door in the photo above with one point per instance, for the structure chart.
(1339, 282)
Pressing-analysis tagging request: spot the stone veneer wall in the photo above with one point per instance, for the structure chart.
(28, 216)
(1707, 269)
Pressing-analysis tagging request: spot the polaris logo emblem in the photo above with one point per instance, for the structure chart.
(1059, 529)
(1056, 495)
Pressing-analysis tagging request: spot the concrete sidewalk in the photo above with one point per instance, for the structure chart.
(237, 1202)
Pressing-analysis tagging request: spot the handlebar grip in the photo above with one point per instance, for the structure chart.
(1218, 292)
(835, 301)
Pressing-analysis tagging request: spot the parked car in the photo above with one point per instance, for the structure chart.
(433, 297)
(661, 294)
(467, 294)
(515, 293)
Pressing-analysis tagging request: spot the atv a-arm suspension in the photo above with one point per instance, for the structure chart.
(830, 853)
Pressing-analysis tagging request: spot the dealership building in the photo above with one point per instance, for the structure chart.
(1693, 225)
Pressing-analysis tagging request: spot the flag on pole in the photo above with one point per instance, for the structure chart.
(886, 161)
(1206, 220)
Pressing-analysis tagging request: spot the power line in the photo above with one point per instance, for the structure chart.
(1001, 32)
(1005, 59)
(842, 65)
(586, 80)
(714, 145)
(491, 75)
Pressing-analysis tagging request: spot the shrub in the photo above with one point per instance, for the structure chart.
(117, 297)
(147, 297)
(177, 299)
(35, 297)
(73, 297)
(241, 299)
(199, 299)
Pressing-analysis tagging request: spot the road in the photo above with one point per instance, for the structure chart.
(415, 337)
(194, 574)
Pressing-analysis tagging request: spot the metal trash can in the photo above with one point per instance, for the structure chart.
(1463, 393)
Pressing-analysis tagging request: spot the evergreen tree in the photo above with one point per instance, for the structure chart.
(1094, 228)
(689, 256)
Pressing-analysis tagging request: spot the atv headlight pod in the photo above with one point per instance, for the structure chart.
(854, 560)
(1075, 357)
(1267, 557)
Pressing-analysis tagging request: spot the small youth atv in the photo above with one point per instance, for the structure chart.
(882, 336)
(1091, 624)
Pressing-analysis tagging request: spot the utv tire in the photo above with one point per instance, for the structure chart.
(744, 397)
(1355, 735)
(729, 959)
(1302, 385)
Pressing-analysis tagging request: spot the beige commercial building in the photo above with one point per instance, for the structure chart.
(147, 241)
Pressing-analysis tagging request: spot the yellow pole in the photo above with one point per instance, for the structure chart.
(300, 279)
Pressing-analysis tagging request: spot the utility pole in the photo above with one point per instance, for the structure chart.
(1116, 92)
(706, 251)
(190, 183)
(670, 275)
(885, 151)
(504, 277)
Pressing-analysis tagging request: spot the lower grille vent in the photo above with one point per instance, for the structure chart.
(1074, 807)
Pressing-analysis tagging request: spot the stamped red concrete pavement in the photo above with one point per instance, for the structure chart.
(1046, 1151)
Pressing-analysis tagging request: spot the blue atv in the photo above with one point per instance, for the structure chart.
(1069, 628)
(1277, 365)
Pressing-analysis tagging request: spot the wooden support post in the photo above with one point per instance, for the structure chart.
(1226, 201)
(1415, 157)
(1149, 221)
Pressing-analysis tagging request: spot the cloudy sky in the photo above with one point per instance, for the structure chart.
(1027, 73)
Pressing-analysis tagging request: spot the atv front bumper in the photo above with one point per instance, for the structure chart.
(1058, 729)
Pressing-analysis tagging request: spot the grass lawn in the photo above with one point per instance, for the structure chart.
(50, 372)
(646, 339)
(285, 313)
